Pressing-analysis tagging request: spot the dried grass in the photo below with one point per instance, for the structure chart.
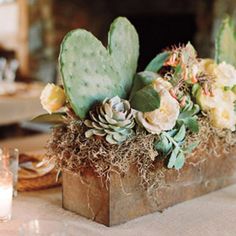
(70, 150)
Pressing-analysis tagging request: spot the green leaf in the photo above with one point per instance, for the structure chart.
(187, 107)
(192, 124)
(191, 147)
(178, 70)
(146, 99)
(188, 116)
(163, 145)
(227, 88)
(179, 137)
(188, 53)
(225, 44)
(156, 63)
(54, 118)
(172, 132)
(173, 157)
(179, 163)
(189, 113)
(234, 89)
(195, 89)
(141, 80)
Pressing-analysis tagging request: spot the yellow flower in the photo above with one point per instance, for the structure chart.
(207, 65)
(224, 74)
(163, 118)
(220, 107)
(223, 117)
(220, 96)
(206, 102)
(52, 98)
(220, 104)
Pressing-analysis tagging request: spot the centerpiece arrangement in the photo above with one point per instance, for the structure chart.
(132, 143)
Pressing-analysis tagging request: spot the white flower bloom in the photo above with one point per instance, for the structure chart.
(220, 108)
(223, 116)
(225, 75)
(163, 118)
(219, 96)
(219, 105)
(207, 66)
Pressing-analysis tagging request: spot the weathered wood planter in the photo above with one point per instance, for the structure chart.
(124, 199)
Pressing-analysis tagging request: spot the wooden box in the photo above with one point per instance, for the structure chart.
(124, 199)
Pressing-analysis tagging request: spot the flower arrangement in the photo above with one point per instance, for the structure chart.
(113, 116)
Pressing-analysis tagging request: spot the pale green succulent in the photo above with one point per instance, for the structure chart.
(113, 119)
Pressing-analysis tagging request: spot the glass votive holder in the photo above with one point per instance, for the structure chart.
(10, 160)
(43, 228)
(6, 190)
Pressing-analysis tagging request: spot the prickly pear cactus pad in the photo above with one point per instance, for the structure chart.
(226, 42)
(90, 72)
(123, 45)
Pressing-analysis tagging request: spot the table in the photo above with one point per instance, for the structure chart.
(35, 143)
(21, 107)
(211, 215)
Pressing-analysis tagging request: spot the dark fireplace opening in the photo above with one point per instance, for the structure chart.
(159, 24)
(157, 32)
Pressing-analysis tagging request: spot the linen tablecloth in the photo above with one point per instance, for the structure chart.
(211, 215)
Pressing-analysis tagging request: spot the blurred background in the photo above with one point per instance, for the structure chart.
(31, 32)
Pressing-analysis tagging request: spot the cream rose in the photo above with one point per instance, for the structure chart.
(225, 75)
(219, 105)
(207, 65)
(163, 118)
(219, 97)
(52, 98)
(223, 117)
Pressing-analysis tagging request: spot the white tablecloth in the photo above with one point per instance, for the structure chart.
(211, 215)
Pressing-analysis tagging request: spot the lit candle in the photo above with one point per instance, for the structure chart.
(6, 189)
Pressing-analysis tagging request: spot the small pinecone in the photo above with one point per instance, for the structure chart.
(113, 119)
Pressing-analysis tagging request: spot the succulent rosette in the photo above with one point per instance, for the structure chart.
(163, 118)
(113, 119)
